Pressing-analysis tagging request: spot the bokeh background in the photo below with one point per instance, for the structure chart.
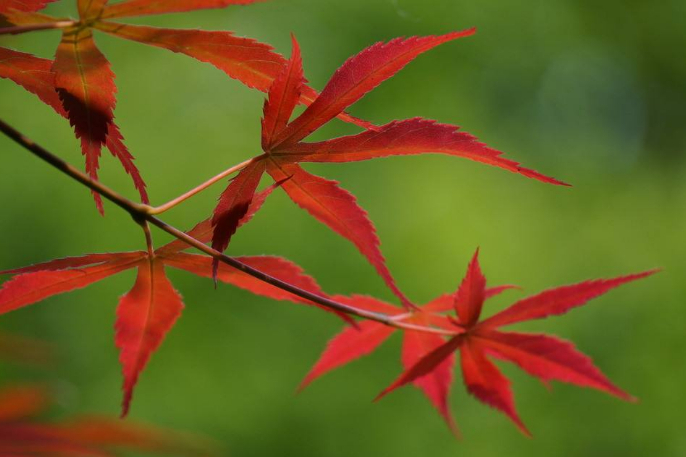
(589, 92)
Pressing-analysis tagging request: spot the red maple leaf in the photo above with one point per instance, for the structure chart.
(428, 359)
(325, 199)
(82, 77)
(35, 75)
(149, 310)
(28, 6)
(353, 343)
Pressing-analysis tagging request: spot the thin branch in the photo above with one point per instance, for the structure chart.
(141, 212)
(33, 27)
(172, 203)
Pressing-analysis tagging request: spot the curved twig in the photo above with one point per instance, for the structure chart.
(141, 212)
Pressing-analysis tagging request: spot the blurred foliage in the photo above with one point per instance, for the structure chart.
(589, 92)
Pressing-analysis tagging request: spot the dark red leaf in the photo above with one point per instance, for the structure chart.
(203, 230)
(234, 204)
(35, 75)
(86, 87)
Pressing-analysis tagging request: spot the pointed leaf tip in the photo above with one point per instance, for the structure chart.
(406, 137)
(549, 358)
(435, 385)
(559, 300)
(284, 95)
(34, 286)
(356, 77)
(349, 345)
(234, 204)
(144, 317)
(471, 294)
(337, 208)
(425, 365)
(487, 384)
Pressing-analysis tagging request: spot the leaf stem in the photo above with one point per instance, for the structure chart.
(148, 238)
(141, 212)
(15, 30)
(172, 203)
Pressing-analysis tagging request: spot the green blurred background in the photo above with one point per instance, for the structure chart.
(589, 92)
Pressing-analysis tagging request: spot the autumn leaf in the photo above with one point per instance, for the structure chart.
(203, 230)
(283, 96)
(147, 7)
(325, 199)
(35, 75)
(85, 83)
(144, 316)
(8, 6)
(357, 76)
(22, 401)
(233, 205)
(353, 343)
(149, 310)
(24, 433)
(543, 356)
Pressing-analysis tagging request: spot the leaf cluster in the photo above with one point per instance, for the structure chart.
(79, 85)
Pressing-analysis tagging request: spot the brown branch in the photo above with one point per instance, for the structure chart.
(142, 212)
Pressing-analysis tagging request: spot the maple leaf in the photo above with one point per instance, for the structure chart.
(28, 6)
(543, 356)
(35, 75)
(325, 199)
(353, 343)
(149, 310)
(22, 433)
(85, 84)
